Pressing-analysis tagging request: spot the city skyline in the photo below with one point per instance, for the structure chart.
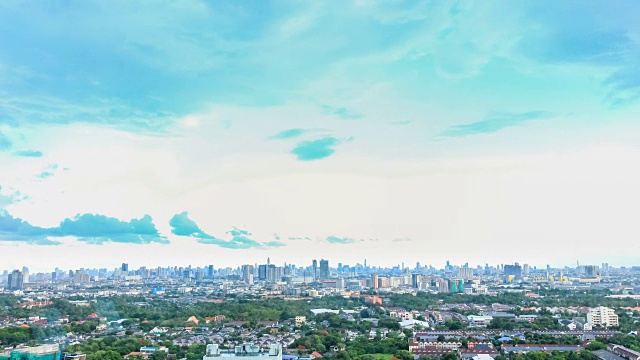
(450, 278)
(200, 133)
(313, 266)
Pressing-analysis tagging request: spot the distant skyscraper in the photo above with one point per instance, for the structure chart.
(590, 271)
(465, 273)
(274, 273)
(15, 280)
(415, 281)
(456, 285)
(247, 274)
(210, 271)
(605, 268)
(443, 286)
(514, 270)
(324, 269)
(80, 277)
(262, 272)
(25, 274)
(125, 267)
(314, 269)
(374, 281)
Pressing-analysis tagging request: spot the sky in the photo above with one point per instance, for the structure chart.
(201, 132)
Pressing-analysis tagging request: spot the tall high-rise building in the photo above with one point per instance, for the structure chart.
(374, 281)
(124, 267)
(513, 270)
(15, 280)
(274, 273)
(314, 269)
(25, 274)
(247, 274)
(324, 269)
(456, 285)
(443, 286)
(525, 269)
(81, 277)
(210, 271)
(465, 273)
(415, 280)
(590, 271)
(262, 272)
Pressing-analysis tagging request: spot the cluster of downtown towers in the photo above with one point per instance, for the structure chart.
(271, 273)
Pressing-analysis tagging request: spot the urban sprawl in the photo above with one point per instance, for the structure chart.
(320, 310)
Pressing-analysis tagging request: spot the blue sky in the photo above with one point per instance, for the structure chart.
(388, 129)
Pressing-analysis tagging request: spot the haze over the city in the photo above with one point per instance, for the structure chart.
(227, 132)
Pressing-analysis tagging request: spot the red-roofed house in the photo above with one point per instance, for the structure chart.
(216, 318)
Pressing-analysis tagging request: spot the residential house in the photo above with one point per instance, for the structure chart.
(624, 352)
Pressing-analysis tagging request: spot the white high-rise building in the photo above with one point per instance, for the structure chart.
(602, 316)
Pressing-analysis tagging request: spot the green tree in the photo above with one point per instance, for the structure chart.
(403, 355)
(596, 345)
(158, 355)
(104, 355)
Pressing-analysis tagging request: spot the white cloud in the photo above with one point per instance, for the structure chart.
(546, 204)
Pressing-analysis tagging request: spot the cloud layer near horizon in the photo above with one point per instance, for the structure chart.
(182, 225)
(89, 228)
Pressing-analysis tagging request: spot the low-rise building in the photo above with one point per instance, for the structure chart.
(300, 320)
(244, 352)
(473, 353)
(525, 348)
(624, 352)
(68, 356)
(373, 300)
(477, 320)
